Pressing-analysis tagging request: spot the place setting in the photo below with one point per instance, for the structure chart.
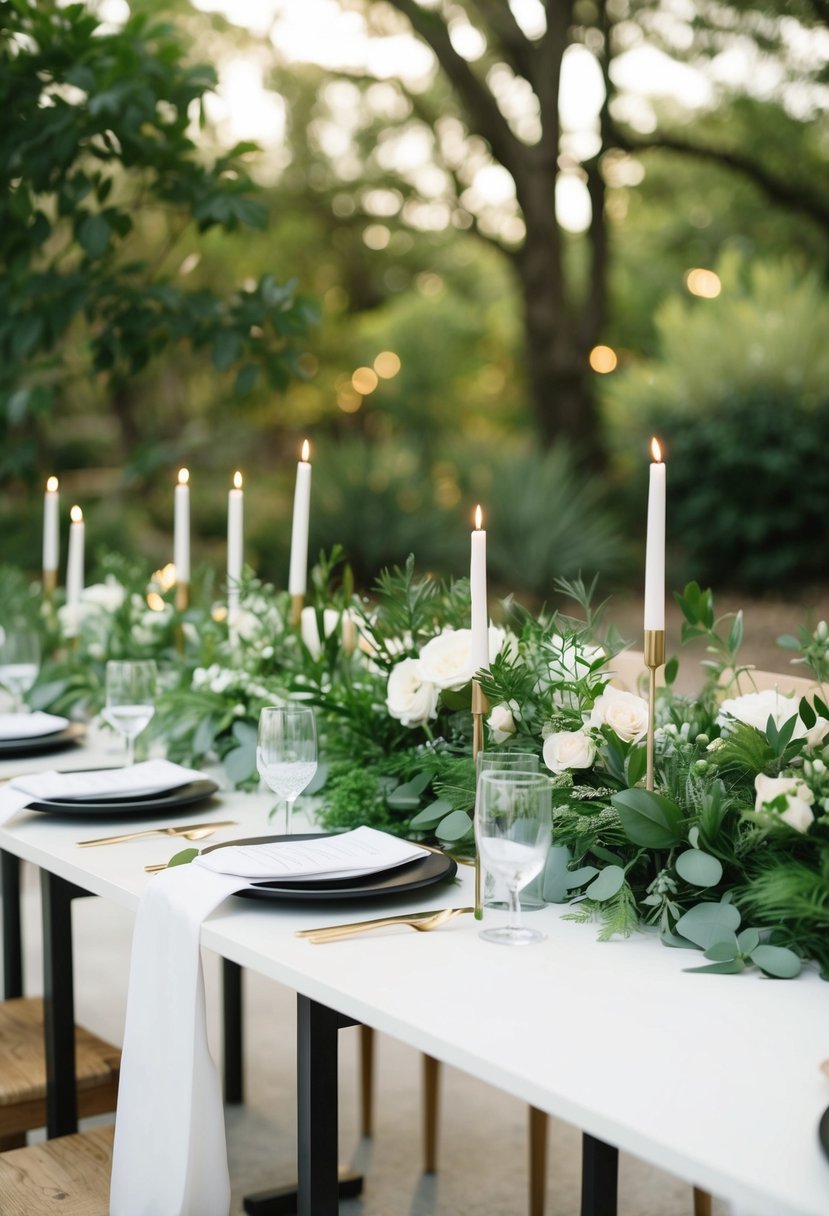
(24, 732)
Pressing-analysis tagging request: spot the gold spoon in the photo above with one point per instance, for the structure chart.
(423, 922)
(197, 832)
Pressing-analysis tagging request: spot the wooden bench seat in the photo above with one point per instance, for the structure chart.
(68, 1176)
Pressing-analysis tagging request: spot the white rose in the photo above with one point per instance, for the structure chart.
(108, 596)
(755, 709)
(501, 722)
(246, 624)
(624, 712)
(309, 631)
(447, 658)
(410, 698)
(798, 813)
(566, 749)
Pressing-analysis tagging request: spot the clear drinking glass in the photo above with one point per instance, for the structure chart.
(513, 831)
(286, 752)
(130, 698)
(19, 661)
(532, 897)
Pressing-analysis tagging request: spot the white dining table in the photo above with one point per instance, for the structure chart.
(716, 1079)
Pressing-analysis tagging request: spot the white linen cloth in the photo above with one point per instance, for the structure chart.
(170, 1154)
(148, 777)
(30, 726)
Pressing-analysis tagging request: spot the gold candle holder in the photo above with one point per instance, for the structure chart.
(297, 604)
(50, 584)
(654, 659)
(182, 597)
(480, 706)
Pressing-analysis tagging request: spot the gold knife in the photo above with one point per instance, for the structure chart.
(359, 926)
(203, 829)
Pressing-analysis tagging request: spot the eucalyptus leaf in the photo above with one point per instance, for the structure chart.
(576, 878)
(454, 827)
(608, 884)
(556, 874)
(734, 967)
(707, 923)
(240, 764)
(725, 950)
(748, 940)
(183, 858)
(783, 964)
(677, 943)
(431, 815)
(698, 868)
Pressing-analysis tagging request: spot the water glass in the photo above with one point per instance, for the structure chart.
(130, 698)
(495, 760)
(513, 832)
(19, 661)
(286, 752)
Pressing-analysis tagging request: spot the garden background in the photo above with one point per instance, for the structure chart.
(383, 270)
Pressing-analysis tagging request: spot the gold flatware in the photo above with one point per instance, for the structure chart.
(195, 831)
(433, 848)
(423, 922)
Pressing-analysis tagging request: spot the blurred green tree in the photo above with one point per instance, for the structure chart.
(99, 179)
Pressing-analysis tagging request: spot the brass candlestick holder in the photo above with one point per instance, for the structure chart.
(480, 706)
(182, 597)
(654, 659)
(50, 584)
(297, 604)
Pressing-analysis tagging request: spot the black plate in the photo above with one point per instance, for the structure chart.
(42, 744)
(160, 804)
(823, 1131)
(435, 867)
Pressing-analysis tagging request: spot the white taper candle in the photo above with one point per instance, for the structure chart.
(655, 548)
(181, 528)
(298, 572)
(74, 571)
(51, 525)
(477, 589)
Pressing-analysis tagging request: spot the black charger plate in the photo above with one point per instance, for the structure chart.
(143, 804)
(41, 745)
(823, 1131)
(425, 872)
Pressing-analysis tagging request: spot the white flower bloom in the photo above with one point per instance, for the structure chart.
(447, 658)
(108, 596)
(410, 698)
(501, 722)
(755, 709)
(246, 624)
(623, 712)
(566, 749)
(799, 798)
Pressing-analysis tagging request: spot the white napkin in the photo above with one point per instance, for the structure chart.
(170, 1154)
(30, 726)
(170, 1110)
(151, 776)
(348, 855)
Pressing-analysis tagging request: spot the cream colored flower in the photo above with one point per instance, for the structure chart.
(447, 658)
(501, 722)
(410, 698)
(566, 749)
(799, 798)
(624, 712)
(309, 632)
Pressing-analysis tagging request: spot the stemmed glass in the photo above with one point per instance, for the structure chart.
(286, 752)
(513, 831)
(130, 698)
(19, 661)
(494, 760)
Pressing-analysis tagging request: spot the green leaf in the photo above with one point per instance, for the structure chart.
(246, 377)
(735, 633)
(608, 884)
(807, 715)
(693, 837)
(787, 641)
(724, 950)
(748, 940)
(675, 942)
(454, 827)
(603, 854)
(707, 923)
(93, 233)
(698, 868)
(576, 878)
(731, 968)
(431, 815)
(648, 819)
(821, 708)
(226, 347)
(457, 700)
(556, 887)
(671, 670)
(783, 964)
(406, 797)
(240, 763)
(204, 735)
(183, 858)
(636, 764)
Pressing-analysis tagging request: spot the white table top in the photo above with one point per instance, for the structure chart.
(714, 1078)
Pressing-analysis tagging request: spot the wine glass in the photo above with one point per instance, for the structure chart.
(19, 661)
(130, 698)
(286, 752)
(513, 831)
(494, 760)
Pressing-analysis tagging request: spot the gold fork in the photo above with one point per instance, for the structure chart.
(197, 831)
(423, 922)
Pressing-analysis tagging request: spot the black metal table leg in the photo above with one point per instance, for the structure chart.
(59, 1004)
(319, 1188)
(12, 938)
(234, 1081)
(599, 1177)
